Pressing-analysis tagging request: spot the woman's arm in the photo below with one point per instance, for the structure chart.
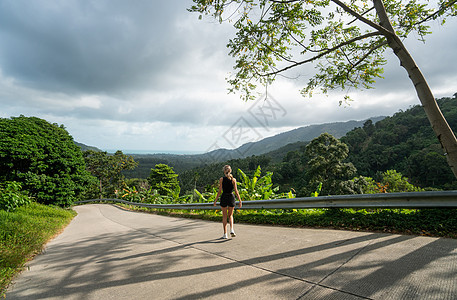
(218, 192)
(236, 191)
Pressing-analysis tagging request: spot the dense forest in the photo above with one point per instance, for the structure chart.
(403, 142)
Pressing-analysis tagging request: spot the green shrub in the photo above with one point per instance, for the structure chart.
(11, 196)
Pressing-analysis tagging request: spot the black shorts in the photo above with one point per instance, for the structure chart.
(227, 200)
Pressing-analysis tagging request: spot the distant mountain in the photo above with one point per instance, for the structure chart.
(275, 147)
(302, 134)
(278, 155)
(86, 148)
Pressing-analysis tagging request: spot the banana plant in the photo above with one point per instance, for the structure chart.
(206, 197)
(257, 188)
(317, 192)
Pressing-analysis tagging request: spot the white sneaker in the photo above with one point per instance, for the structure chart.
(233, 234)
(225, 236)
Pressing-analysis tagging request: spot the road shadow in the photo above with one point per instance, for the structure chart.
(351, 267)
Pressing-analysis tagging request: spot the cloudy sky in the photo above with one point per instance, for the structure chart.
(148, 75)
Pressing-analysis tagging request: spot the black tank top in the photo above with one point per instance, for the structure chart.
(227, 185)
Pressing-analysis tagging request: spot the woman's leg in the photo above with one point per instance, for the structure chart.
(230, 216)
(224, 219)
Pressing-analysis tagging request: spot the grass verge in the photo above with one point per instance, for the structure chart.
(425, 222)
(23, 233)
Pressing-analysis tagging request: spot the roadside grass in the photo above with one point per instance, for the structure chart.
(23, 233)
(425, 222)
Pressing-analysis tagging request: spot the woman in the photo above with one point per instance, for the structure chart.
(226, 186)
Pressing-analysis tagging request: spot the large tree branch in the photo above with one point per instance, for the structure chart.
(363, 58)
(436, 13)
(316, 57)
(361, 18)
(349, 11)
(361, 15)
(284, 1)
(372, 49)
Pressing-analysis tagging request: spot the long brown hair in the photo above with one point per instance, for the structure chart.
(227, 172)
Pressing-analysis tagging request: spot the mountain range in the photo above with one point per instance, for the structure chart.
(266, 145)
(302, 134)
(85, 147)
(276, 147)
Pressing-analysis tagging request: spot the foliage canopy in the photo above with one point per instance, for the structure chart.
(107, 168)
(164, 180)
(403, 142)
(344, 40)
(43, 158)
(325, 165)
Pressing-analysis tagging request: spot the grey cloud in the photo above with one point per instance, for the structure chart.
(90, 47)
(118, 51)
(155, 65)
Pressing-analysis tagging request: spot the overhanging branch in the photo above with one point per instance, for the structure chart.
(363, 58)
(323, 53)
(361, 18)
(349, 11)
(436, 13)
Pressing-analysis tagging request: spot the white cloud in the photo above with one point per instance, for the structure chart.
(150, 75)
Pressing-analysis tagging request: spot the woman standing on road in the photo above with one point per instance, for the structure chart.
(226, 186)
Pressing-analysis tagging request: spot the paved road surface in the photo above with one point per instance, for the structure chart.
(109, 253)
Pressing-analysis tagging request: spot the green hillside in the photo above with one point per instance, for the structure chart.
(404, 142)
(86, 148)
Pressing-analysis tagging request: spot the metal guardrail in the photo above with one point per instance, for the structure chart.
(441, 199)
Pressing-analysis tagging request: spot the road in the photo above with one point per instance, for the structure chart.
(109, 253)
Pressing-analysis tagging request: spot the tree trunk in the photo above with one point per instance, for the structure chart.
(439, 124)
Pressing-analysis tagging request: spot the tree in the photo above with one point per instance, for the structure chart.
(391, 182)
(326, 155)
(346, 41)
(429, 168)
(290, 173)
(43, 158)
(164, 180)
(396, 183)
(360, 185)
(107, 168)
